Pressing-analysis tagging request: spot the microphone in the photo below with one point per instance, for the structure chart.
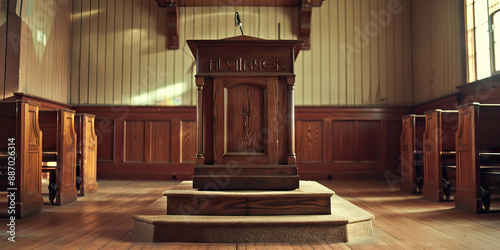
(237, 22)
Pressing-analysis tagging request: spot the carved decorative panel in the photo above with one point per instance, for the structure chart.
(245, 116)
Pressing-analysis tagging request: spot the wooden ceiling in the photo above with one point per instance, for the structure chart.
(173, 14)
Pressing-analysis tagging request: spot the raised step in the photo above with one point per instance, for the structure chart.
(310, 198)
(246, 177)
(346, 222)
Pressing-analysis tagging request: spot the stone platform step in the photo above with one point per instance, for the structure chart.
(250, 177)
(347, 222)
(310, 198)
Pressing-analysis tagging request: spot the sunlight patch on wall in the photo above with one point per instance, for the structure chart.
(172, 95)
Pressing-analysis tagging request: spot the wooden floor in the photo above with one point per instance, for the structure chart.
(103, 220)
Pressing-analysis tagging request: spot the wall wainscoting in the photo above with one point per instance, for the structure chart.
(158, 142)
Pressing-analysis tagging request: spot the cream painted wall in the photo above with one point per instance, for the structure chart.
(44, 68)
(437, 48)
(360, 51)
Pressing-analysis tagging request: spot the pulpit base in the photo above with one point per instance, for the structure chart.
(245, 177)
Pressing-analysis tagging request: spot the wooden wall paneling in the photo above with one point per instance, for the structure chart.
(176, 140)
(105, 139)
(309, 141)
(127, 52)
(101, 53)
(147, 141)
(188, 142)
(118, 61)
(135, 76)
(93, 15)
(343, 141)
(342, 52)
(160, 141)
(393, 142)
(110, 57)
(135, 141)
(346, 130)
(383, 50)
(369, 143)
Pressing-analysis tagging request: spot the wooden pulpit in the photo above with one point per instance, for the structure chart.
(245, 114)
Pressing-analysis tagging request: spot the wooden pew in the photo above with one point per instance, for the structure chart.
(478, 154)
(86, 154)
(439, 153)
(59, 154)
(411, 153)
(19, 120)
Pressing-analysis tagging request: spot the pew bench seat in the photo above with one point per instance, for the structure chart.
(489, 175)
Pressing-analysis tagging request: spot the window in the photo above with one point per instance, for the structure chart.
(483, 38)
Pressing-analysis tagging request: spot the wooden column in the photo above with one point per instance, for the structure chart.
(199, 120)
(292, 158)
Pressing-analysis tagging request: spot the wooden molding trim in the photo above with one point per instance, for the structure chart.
(46, 104)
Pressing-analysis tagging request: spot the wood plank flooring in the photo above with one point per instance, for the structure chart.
(103, 221)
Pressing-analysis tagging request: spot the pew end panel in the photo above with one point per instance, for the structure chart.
(478, 147)
(19, 120)
(60, 137)
(86, 153)
(411, 152)
(439, 151)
